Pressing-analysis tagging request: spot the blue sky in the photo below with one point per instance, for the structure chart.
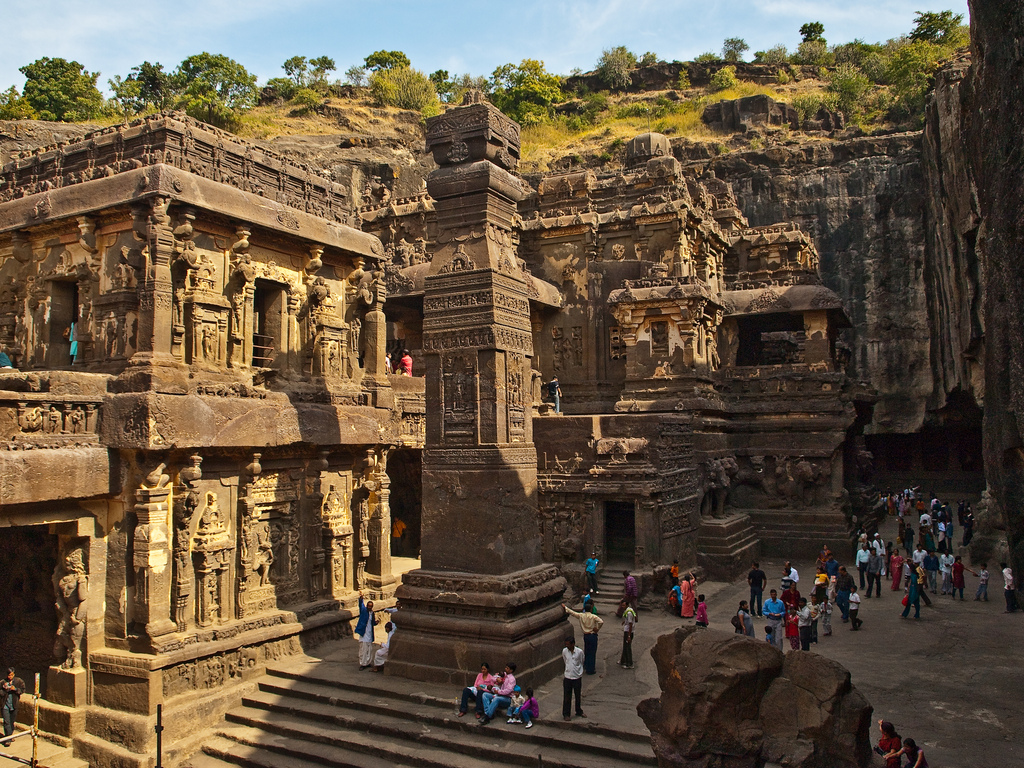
(114, 35)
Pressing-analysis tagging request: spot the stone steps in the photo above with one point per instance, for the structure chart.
(336, 718)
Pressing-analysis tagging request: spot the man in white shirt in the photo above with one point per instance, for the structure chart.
(946, 568)
(789, 576)
(572, 682)
(919, 555)
(1008, 588)
(878, 545)
(926, 520)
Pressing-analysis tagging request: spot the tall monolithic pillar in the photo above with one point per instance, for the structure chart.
(483, 592)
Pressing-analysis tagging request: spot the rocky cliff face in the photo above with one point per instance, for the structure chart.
(862, 200)
(995, 143)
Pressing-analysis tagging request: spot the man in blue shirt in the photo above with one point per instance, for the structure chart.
(591, 566)
(775, 612)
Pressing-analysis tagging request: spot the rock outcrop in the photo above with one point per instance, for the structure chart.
(996, 145)
(730, 701)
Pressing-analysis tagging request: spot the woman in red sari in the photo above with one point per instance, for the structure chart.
(896, 569)
(686, 589)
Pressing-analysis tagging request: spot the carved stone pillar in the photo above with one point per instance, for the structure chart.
(378, 565)
(156, 294)
(337, 537)
(152, 558)
(483, 580)
(212, 554)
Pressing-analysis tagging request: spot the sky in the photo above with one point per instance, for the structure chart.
(112, 36)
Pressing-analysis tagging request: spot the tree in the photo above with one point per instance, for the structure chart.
(216, 87)
(319, 67)
(61, 90)
(649, 59)
(355, 75)
(777, 54)
(403, 87)
(910, 71)
(14, 106)
(724, 78)
(706, 58)
(614, 67)
(156, 87)
(379, 60)
(127, 95)
(849, 85)
(733, 49)
(814, 52)
(525, 91)
(296, 68)
(812, 32)
(941, 28)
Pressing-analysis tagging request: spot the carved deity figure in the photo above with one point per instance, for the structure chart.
(55, 420)
(71, 589)
(260, 548)
(76, 421)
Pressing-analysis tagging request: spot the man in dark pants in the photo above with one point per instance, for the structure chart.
(757, 581)
(11, 688)
(572, 680)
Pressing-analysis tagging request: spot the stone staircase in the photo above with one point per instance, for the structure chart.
(334, 715)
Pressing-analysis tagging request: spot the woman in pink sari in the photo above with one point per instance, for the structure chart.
(896, 569)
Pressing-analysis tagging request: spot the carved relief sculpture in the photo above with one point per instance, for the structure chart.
(71, 588)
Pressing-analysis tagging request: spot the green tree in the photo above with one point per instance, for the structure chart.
(127, 95)
(724, 78)
(442, 84)
(777, 54)
(941, 28)
(355, 75)
(850, 86)
(706, 58)
(525, 91)
(216, 88)
(812, 32)
(14, 106)
(733, 49)
(814, 52)
(61, 90)
(318, 69)
(156, 87)
(379, 60)
(403, 87)
(910, 71)
(296, 68)
(614, 67)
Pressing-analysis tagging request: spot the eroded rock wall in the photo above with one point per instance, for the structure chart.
(995, 142)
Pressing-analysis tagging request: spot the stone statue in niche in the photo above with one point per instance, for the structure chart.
(184, 508)
(54, 420)
(71, 588)
(259, 549)
(76, 421)
(618, 251)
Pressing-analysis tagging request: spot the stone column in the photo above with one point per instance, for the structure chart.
(152, 559)
(483, 591)
(378, 565)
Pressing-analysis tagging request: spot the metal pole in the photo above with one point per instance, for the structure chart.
(35, 723)
(159, 736)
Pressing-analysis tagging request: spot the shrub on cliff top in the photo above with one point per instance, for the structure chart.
(403, 87)
(724, 78)
(615, 65)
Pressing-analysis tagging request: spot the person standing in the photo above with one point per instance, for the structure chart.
(844, 585)
(405, 364)
(572, 682)
(982, 593)
(364, 631)
(775, 612)
(855, 623)
(628, 623)
(875, 574)
(630, 592)
(968, 526)
(930, 563)
(555, 393)
(11, 689)
(804, 624)
(896, 569)
(957, 577)
(789, 575)
(590, 568)
(687, 595)
(757, 581)
(591, 624)
(913, 595)
(1008, 588)
(946, 567)
(746, 623)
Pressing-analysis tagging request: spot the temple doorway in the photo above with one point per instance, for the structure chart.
(405, 470)
(619, 531)
(28, 619)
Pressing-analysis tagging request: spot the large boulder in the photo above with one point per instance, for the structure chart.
(734, 702)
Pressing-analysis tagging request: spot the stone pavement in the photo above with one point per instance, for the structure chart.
(953, 680)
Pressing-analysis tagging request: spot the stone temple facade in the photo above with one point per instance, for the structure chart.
(202, 450)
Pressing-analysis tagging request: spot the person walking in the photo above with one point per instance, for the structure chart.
(757, 581)
(930, 563)
(844, 585)
(629, 589)
(572, 682)
(896, 569)
(863, 555)
(913, 598)
(1008, 588)
(855, 623)
(364, 631)
(775, 612)
(11, 689)
(555, 393)
(628, 623)
(687, 595)
(590, 568)
(591, 624)
(874, 572)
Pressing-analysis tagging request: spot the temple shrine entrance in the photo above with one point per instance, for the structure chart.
(619, 531)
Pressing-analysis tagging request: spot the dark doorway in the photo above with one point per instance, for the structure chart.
(773, 339)
(620, 531)
(269, 306)
(405, 469)
(28, 619)
(63, 319)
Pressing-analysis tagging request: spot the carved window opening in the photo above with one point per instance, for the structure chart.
(772, 339)
(63, 314)
(616, 347)
(270, 305)
(620, 530)
(659, 337)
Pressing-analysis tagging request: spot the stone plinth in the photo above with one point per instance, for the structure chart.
(66, 686)
(726, 546)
